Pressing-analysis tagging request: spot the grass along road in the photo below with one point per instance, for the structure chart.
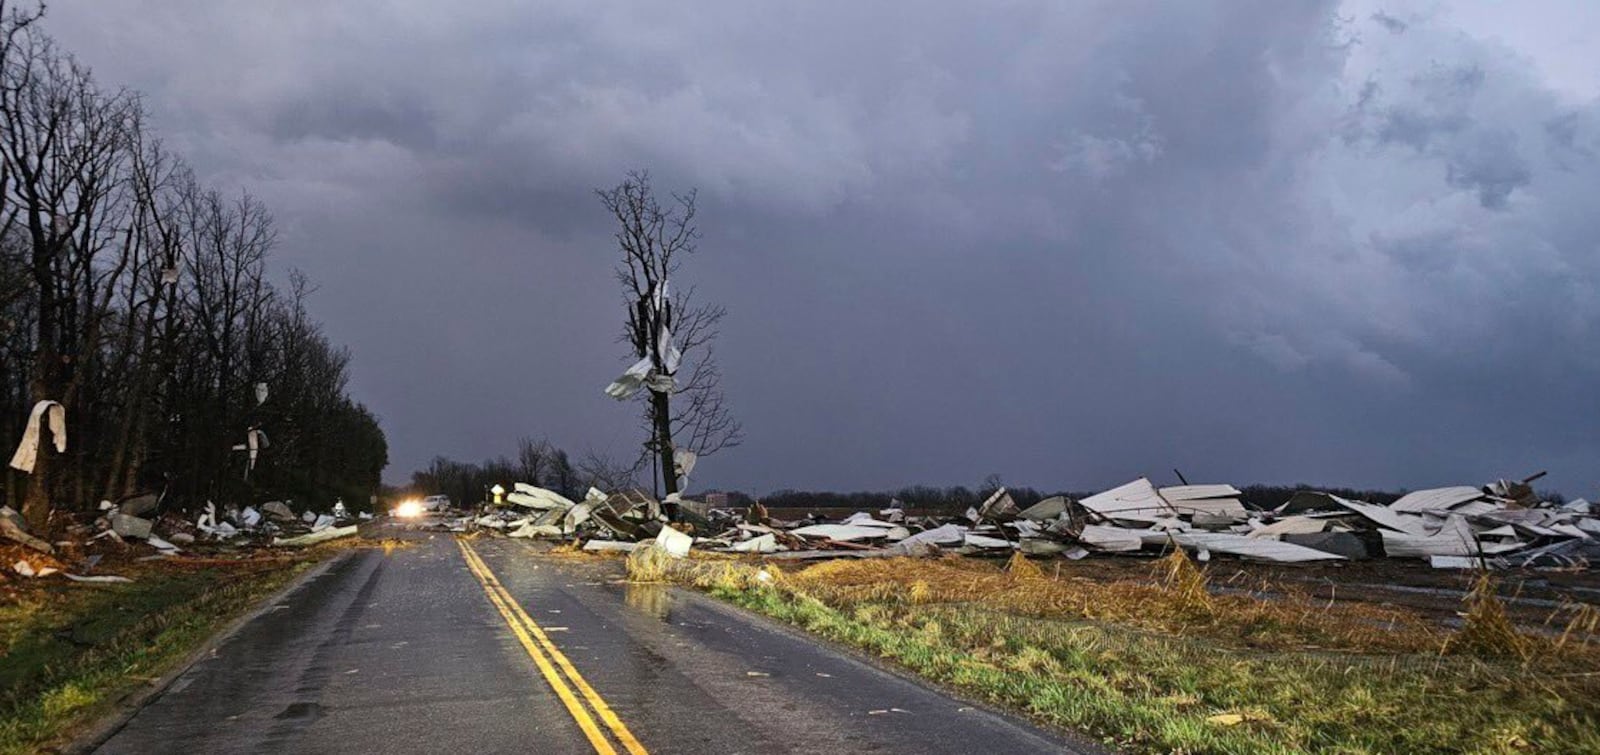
(73, 652)
(1161, 665)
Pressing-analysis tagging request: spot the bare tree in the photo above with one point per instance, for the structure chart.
(65, 147)
(140, 302)
(670, 335)
(600, 470)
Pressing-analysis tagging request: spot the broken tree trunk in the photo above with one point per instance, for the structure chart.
(661, 416)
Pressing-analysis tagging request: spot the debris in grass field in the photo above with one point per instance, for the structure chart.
(1213, 500)
(98, 578)
(12, 527)
(1503, 520)
(131, 526)
(144, 527)
(1104, 537)
(1136, 502)
(26, 569)
(138, 505)
(1341, 543)
(673, 542)
(1437, 500)
(1256, 548)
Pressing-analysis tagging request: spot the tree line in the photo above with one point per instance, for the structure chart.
(140, 300)
(945, 500)
(537, 462)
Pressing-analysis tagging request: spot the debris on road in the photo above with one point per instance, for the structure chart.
(317, 536)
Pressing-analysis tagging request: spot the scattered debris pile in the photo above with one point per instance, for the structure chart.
(1499, 525)
(136, 528)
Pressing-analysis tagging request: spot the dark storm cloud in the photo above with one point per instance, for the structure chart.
(1069, 243)
(1390, 22)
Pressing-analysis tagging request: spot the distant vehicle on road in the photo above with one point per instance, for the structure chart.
(415, 507)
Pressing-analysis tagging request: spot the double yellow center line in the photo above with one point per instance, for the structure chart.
(549, 660)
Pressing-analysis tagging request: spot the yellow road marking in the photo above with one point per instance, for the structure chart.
(493, 585)
(595, 701)
(575, 708)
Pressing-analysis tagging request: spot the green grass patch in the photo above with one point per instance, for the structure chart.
(71, 651)
(1275, 681)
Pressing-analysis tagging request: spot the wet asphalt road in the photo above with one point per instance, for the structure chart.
(404, 652)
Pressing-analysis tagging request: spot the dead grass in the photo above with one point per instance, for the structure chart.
(1186, 585)
(1175, 600)
(1019, 567)
(1165, 663)
(1487, 631)
(648, 564)
(1580, 623)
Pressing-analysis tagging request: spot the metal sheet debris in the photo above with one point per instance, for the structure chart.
(1455, 538)
(538, 498)
(1292, 525)
(26, 569)
(1046, 510)
(131, 526)
(1106, 538)
(973, 540)
(843, 533)
(1216, 500)
(12, 527)
(767, 543)
(1136, 501)
(1135, 518)
(1435, 499)
(44, 413)
(1255, 548)
(673, 542)
(1339, 543)
(312, 538)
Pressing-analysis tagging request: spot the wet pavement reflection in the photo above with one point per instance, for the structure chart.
(650, 599)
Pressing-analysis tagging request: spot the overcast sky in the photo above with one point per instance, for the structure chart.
(1067, 242)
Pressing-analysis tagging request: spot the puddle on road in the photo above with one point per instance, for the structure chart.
(651, 600)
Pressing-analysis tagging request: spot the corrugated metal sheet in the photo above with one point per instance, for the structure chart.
(1455, 538)
(1248, 547)
(1294, 525)
(1136, 501)
(1436, 499)
(1106, 538)
(1177, 493)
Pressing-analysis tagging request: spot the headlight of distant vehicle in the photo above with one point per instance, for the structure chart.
(409, 509)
